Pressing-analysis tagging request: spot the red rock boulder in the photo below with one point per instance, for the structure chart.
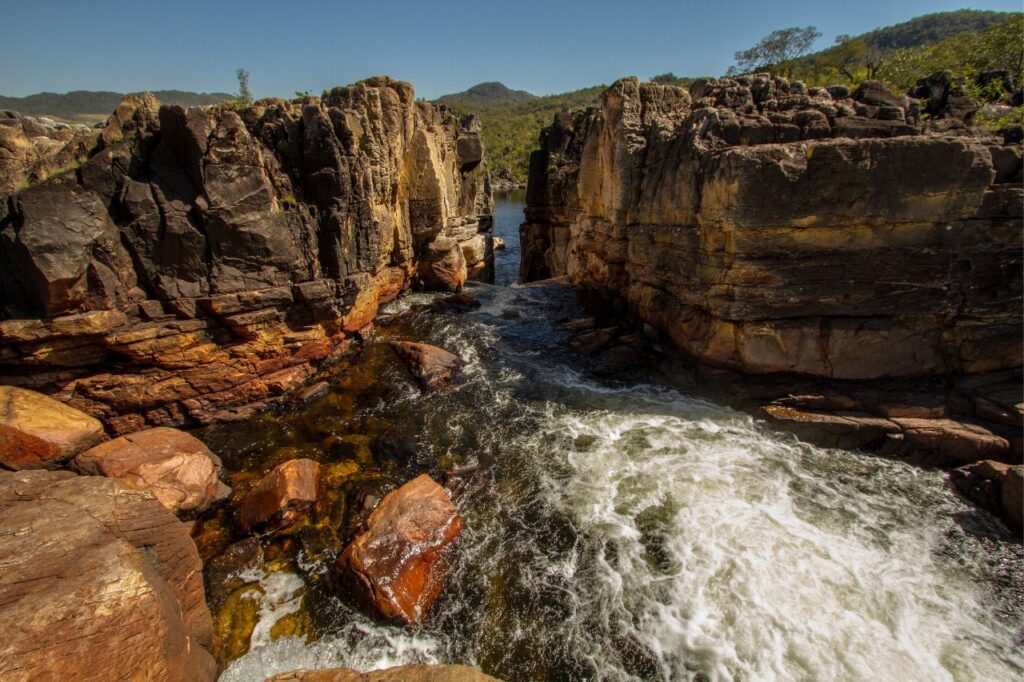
(282, 497)
(434, 367)
(38, 432)
(395, 565)
(177, 468)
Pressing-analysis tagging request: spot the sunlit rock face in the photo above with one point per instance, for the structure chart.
(771, 228)
(203, 261)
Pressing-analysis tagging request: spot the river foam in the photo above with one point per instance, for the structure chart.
(631, 532)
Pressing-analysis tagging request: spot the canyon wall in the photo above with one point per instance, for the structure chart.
(768, 227)
(202, 262)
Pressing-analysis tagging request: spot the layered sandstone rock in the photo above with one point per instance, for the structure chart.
(38, 432)
(99, 582)
(395, 566)
(770, 228)
(177, 468)
(202, 262)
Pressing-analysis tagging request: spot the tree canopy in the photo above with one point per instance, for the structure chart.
(778, 47)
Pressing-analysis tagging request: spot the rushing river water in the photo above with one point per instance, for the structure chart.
(623, 531)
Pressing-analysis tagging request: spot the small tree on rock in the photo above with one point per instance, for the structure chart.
(244, 95)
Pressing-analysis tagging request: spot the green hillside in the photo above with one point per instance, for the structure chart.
(511, 126)
(857, 58)
(931, 28)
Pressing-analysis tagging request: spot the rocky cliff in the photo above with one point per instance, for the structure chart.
(768, 227)
(202, 262)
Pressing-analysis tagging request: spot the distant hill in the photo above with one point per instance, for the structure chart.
(864, 56)
(90, 106)
(487, 93)
(931, 28)
(512, 122)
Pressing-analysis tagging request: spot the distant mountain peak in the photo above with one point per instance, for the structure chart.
(491, 92)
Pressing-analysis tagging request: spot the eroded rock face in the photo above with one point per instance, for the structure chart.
(177, 468)
(282, 497)
(38, 432)
(202, 262)
(775, 229)
(99, 581)
(402, 673)
(31, 150)
(395, 565)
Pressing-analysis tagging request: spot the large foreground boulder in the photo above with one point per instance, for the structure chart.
(98, 582)
(395, 566)
(38, 432)
(401, 673)
(178, 468)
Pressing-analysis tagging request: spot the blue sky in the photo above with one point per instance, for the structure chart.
(441, 46)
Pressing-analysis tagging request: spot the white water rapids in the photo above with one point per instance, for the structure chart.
(631, 532)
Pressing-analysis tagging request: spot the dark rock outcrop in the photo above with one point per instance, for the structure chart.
(202, 262)
(99, 582)
(769, 230)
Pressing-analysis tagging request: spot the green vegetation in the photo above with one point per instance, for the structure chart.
(244, 95)
(512, 123)
(779, 49)
(901, 54)
(965, 54)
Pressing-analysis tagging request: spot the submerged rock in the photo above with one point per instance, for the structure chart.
(38, 432)
(99, 581)
(402, 673)
(282, 497)
(177, 468)
(395, 566)
(314, 392)
(434, 367)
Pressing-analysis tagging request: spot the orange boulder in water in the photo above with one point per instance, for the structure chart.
(434, 367)
(395, 565)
